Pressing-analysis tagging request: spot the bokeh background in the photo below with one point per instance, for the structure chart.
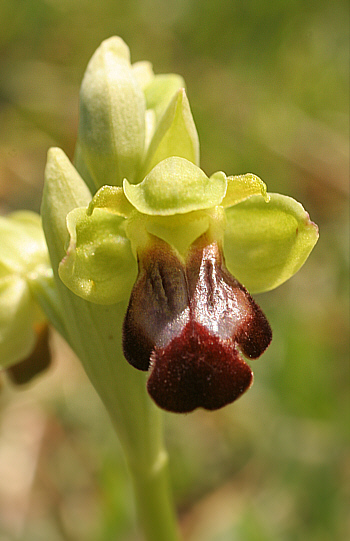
(268, 83)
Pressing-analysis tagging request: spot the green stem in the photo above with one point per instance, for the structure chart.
(138, 422)
(94, 332)
(155, 508)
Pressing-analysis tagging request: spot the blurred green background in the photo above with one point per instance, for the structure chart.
(268, 83)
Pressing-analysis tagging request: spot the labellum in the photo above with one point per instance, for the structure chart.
(188, 324)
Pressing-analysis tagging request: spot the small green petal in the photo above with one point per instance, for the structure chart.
(176, 186)
(161, 90)
(242, 187)
(112, 117)
(175, 135)
(111, 198)
(17, 337)
(266, 243)
(99, 265)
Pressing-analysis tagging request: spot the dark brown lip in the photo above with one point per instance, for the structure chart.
(197, 369)
(187, 323)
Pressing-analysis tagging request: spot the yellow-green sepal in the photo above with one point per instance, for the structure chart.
(64, 189)
(99, 265)
(266, 243)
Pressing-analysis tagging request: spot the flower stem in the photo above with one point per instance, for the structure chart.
(138, 422)
(96, 338)
(154, 505)
(95, 335)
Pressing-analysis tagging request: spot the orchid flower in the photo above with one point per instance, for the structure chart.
(184, 247)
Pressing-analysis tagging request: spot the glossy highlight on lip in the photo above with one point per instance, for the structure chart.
(188, 323)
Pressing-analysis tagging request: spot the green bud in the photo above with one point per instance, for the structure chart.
(112, 118)
(143, 73)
